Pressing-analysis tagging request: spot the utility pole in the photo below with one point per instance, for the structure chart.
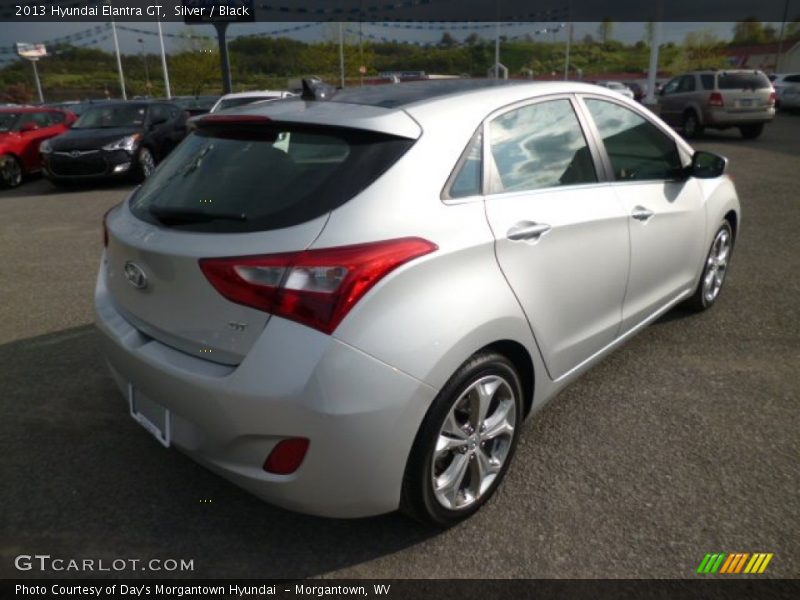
(147, 84)
(341, 55)
(566, 58)
(225, 64)
(119, 59)
(497, 50)
(36, 77)
(164, 62)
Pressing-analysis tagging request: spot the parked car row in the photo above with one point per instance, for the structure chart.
(101, 139)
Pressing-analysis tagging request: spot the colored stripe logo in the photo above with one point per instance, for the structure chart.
(734, 563)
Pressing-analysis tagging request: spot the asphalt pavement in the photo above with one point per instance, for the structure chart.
(684, 442)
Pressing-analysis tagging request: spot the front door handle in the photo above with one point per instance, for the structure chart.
(640, 213)
(527, 230)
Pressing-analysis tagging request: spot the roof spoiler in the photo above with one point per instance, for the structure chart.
(316, 89)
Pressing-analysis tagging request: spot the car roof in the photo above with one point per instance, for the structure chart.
(396, 95)
(28, 109)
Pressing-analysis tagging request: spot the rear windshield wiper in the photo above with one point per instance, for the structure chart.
(176, 215)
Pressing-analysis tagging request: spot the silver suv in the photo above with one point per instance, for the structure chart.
(718, 100)
(349, 306)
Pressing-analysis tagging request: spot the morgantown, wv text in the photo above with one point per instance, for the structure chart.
(178, 591)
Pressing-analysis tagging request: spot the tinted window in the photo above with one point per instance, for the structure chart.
(468, 180)
(742, 81)
(541, 145)
(57, 117)
(9, 121)
(707, 81)
(41, 119)
(252, 179)
(159, 112)
(638, 149)
(672, 86)
(234, 102)
(686, 84)
(120, 115)
(792, 79)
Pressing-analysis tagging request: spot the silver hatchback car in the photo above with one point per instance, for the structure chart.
(349, 305)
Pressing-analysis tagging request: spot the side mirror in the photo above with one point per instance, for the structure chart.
(707, 165)
(28, 126)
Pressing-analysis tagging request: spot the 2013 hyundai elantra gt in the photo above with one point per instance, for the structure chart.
(349, 305)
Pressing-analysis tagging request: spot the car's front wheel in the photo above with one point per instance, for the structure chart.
(10, 171)
(714, 270)
(466, 442)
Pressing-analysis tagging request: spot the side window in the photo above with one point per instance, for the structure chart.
(707, 81)
(686, 84)
(638, 149)
(671, 86)
(56, 118)
(539, 146)
(41, 119)
(792, 79)
(158, 112)
(467, 181)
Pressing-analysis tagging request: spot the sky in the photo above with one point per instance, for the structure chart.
(129, 41)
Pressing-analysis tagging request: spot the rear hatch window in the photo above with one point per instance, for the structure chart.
(242, 178)
(742, 81)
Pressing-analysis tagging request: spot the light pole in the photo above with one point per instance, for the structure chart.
(164, 62)
(119, 58)
(147, 84)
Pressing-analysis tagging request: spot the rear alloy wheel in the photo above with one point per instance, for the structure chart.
(10, 171)
(147, 163)
(466, 442)
(751, 132)
(691, 126)
(715, 269)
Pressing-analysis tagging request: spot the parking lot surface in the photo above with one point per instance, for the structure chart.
(683, 442)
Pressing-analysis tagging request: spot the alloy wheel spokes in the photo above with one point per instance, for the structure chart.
(474, 442)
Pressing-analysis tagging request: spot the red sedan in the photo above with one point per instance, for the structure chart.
(22, 129)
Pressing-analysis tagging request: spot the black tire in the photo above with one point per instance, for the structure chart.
(145, 163)
(10, 171)
(418, 498)
(751, 132)
(691, 125)
(701, 300)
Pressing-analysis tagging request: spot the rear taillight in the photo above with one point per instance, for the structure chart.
(715, 99)
(771, 100)
(287, 456)
(314, 287)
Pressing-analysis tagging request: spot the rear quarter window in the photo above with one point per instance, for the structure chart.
(742, 81)
(255, 179)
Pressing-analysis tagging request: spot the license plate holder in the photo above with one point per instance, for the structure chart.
(150, 415)
(746, 102)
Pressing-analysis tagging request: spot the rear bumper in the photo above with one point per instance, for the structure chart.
(725, 118)
(360, 414)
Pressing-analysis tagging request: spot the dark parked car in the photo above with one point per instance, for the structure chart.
(117, 139)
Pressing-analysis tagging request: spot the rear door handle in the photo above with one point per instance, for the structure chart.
(640, 213)
(527, 230)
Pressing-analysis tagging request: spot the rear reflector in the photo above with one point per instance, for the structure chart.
(286, 456)
(715, 99)
(314, 287)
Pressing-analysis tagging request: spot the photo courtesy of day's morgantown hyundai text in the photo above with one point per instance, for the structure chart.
(349, 303)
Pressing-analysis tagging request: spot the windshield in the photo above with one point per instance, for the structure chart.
(742, 81)
(121, 115)
(9, 121)
(263, 178)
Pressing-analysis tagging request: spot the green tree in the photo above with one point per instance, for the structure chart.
(749, 31)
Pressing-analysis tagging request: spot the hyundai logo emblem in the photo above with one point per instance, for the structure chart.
(75, 153)
(135, 275)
